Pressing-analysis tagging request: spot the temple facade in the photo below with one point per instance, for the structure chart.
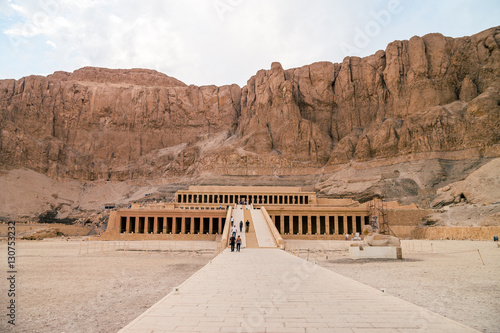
(202, 212)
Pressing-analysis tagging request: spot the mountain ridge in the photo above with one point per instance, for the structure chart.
(420, 99)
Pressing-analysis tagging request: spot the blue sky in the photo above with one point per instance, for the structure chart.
(218, 42)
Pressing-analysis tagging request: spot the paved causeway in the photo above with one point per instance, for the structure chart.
(269, 290)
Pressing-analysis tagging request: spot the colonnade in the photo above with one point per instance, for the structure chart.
(171, 224)
(320, 223)
(265, 199)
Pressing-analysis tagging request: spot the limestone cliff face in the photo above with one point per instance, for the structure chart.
(84, 126)
(416, 96)
(430, 94)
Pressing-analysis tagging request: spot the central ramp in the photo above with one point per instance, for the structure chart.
(264, 235)
(269, 290)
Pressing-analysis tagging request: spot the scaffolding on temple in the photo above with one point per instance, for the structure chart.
(378, 216)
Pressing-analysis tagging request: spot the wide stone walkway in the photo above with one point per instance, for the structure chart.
(269, 290)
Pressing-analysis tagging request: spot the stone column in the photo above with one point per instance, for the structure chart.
(164, 225)
(155, 225)
(327, 224)
(191, 229)
(346, 230)
(318, 226)
(220, 225)
(282, 224)
(309, 225)
(201, 226)
(336, 224)
(300, 224)
(174, 225)
(354, 228)
(183, 225)
(127, 226)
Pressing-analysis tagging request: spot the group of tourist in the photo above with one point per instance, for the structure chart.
(233, 240)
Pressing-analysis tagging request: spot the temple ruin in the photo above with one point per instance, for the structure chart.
(202, 213)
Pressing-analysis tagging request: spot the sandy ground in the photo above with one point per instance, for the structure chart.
(41, 230)
(75, 286)
(87, 286)
(447, 277)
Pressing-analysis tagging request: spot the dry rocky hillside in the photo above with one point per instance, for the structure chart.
(410, 123)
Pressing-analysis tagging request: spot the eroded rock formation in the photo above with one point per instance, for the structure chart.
(420, 99)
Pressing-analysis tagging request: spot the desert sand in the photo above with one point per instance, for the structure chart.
(447, 277)
(90, 286)
(87, 286)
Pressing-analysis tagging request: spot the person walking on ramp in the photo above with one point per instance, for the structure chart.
(238, 244)
(231, 242)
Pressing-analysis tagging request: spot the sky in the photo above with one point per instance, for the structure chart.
(219, 42)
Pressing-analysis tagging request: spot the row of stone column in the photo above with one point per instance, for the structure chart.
(333, 224)
(249, 198)
(170, 224)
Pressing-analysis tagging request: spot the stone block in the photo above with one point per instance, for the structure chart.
(375, 252)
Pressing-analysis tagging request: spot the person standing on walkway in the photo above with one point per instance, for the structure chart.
(231, 242)
(238, 244)
(247, 226)
(234, 230)
(241, 226)
(232, 221)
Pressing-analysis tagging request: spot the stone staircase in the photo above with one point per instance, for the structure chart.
(258, 235)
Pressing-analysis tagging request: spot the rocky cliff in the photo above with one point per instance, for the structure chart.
(424, 112)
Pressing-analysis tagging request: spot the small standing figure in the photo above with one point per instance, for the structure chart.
(241, 226)
(234, 231)
(232, 221)
(238, 244)
(247, 226)
(231, 242)
(346, 237)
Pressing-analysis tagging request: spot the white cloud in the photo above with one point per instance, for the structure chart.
(17, 8)
(198, 42)
(51, 43)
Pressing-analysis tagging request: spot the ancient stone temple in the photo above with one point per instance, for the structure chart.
(202, 213)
